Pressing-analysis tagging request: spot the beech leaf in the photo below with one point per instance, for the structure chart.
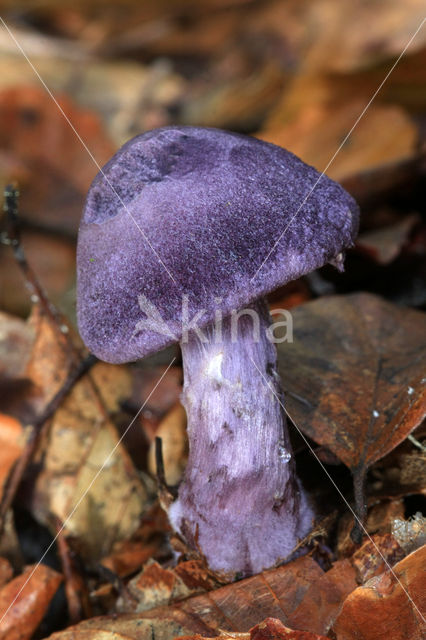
(354, 376)
(299, 594)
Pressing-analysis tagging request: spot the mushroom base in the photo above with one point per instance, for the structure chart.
(240, 503)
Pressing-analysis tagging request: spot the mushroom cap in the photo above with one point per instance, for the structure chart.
(179, 223)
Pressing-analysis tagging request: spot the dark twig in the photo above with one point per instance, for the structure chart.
(165, 493)
(359, 479)
(159, 462)
(36, 432)
(13, 238)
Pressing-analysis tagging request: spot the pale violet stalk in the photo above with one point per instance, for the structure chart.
(240, 503)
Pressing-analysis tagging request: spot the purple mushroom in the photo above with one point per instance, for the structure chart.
(172, 247)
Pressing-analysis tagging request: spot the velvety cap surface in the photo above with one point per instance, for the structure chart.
(182, 217)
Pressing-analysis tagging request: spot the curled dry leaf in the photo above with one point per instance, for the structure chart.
(155, 586)
(87, 473)
(390, 605)
(84, 470)
(269, 629)
(300, 594)
(354, 375)
(30, 595)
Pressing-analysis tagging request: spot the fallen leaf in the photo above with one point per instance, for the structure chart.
(11, 446)
(269, 629)
(354, 375)
(314, 121)
(156, 586)
(53, 259)
(375, 555)
(372, 185)
(380, 517)
(272, 628)
(85, 478)
(88, 480)
(45, 155)
(299, 594)
(387, 606)
(323, 599)
(16, 338)
(384, 245)
(148, 541)
(24, 601)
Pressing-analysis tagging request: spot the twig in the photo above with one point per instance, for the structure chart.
(359, 479)
(416, 443)
(75, 589)
(159, 462)
(165, 493)
(13, 238)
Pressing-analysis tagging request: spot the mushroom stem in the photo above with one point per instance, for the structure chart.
(240, 503)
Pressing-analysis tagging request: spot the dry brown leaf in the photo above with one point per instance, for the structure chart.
(16, 338)
(354, 375)
(30, 595)
(51, 356)
(148, 541)
(84, 470)
(380, 518)
(269, 629)
(385, 244)
(53, 259)
(45, 156)
(87, 473)
(375, 555)
(155, 586)
(383, 607)
(272, 628)
(299, 594)
(323, 599)
(314, 120)
(11, 446)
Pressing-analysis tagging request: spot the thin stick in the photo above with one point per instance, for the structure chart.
(75, 590)
(13, 238)
(159, 462)
(359, 478)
